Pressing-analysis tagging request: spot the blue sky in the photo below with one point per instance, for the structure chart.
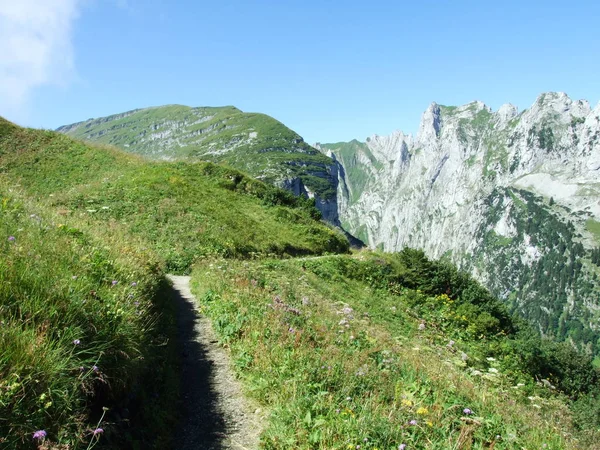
(330, 70)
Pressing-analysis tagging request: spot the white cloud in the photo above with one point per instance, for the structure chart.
(35, 48)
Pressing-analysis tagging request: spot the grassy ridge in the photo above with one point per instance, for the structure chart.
(378, 351)
(183, 211)
(254, 143)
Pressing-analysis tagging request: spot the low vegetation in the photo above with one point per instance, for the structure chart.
(381, 351)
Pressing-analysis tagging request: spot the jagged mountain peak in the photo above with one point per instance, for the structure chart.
(498, 192)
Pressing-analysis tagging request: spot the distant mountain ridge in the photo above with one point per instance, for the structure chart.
(255, 143)
(512, 197)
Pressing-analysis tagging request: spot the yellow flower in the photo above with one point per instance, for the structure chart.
(422, 411)
(406, 402)
(429, 423)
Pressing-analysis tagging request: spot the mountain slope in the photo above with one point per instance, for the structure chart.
(184, 211)
(254, 143)
(512, 197)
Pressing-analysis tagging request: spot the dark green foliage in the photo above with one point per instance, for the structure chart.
(595, 255)
(539, 289)
(544, 137)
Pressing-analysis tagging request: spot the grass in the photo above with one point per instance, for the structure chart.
(342, 363)
(593, 226)
(80, 320)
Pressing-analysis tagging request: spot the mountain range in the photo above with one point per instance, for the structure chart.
(512, 197)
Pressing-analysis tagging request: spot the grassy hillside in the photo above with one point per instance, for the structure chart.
(344, 351)
(392, 351)
(182, 211)
(254, 143)
(86, 234)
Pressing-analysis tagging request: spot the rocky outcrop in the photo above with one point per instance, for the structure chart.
(496, 192)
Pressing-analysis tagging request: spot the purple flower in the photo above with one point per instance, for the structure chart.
(134, 284)
(40, 435)
(12, 239)
(96, 369)
(412, 422)
(467, 411)
(114, 282)
(401, 446)
(76, 342)
(97, 431)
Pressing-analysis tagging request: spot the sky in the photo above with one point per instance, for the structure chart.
(331, 70)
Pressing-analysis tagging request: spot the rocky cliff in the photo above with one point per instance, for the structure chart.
(513, 197)
(254, 143)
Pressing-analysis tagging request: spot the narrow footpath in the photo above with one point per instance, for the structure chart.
(217, 416)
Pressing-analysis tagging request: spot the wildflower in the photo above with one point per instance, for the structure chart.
(422, 411)
(74, 277)
(451, 344)
(97, 431)
(412, 422)
(348, 398)
(401, 446)
(134, 284)
(421, 326)
(40, 435)
(11, 239)
(467, 411)
(406, 402)
(76, 342)
(81, 368)
(114, 282)
(96, 369)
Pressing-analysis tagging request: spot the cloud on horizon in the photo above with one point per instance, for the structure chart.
(35, 48)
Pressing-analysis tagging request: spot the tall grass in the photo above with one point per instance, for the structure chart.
(77, 328)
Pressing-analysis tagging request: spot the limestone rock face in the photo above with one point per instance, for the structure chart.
(512, 197)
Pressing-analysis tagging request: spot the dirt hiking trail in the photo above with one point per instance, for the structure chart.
(217, 416)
